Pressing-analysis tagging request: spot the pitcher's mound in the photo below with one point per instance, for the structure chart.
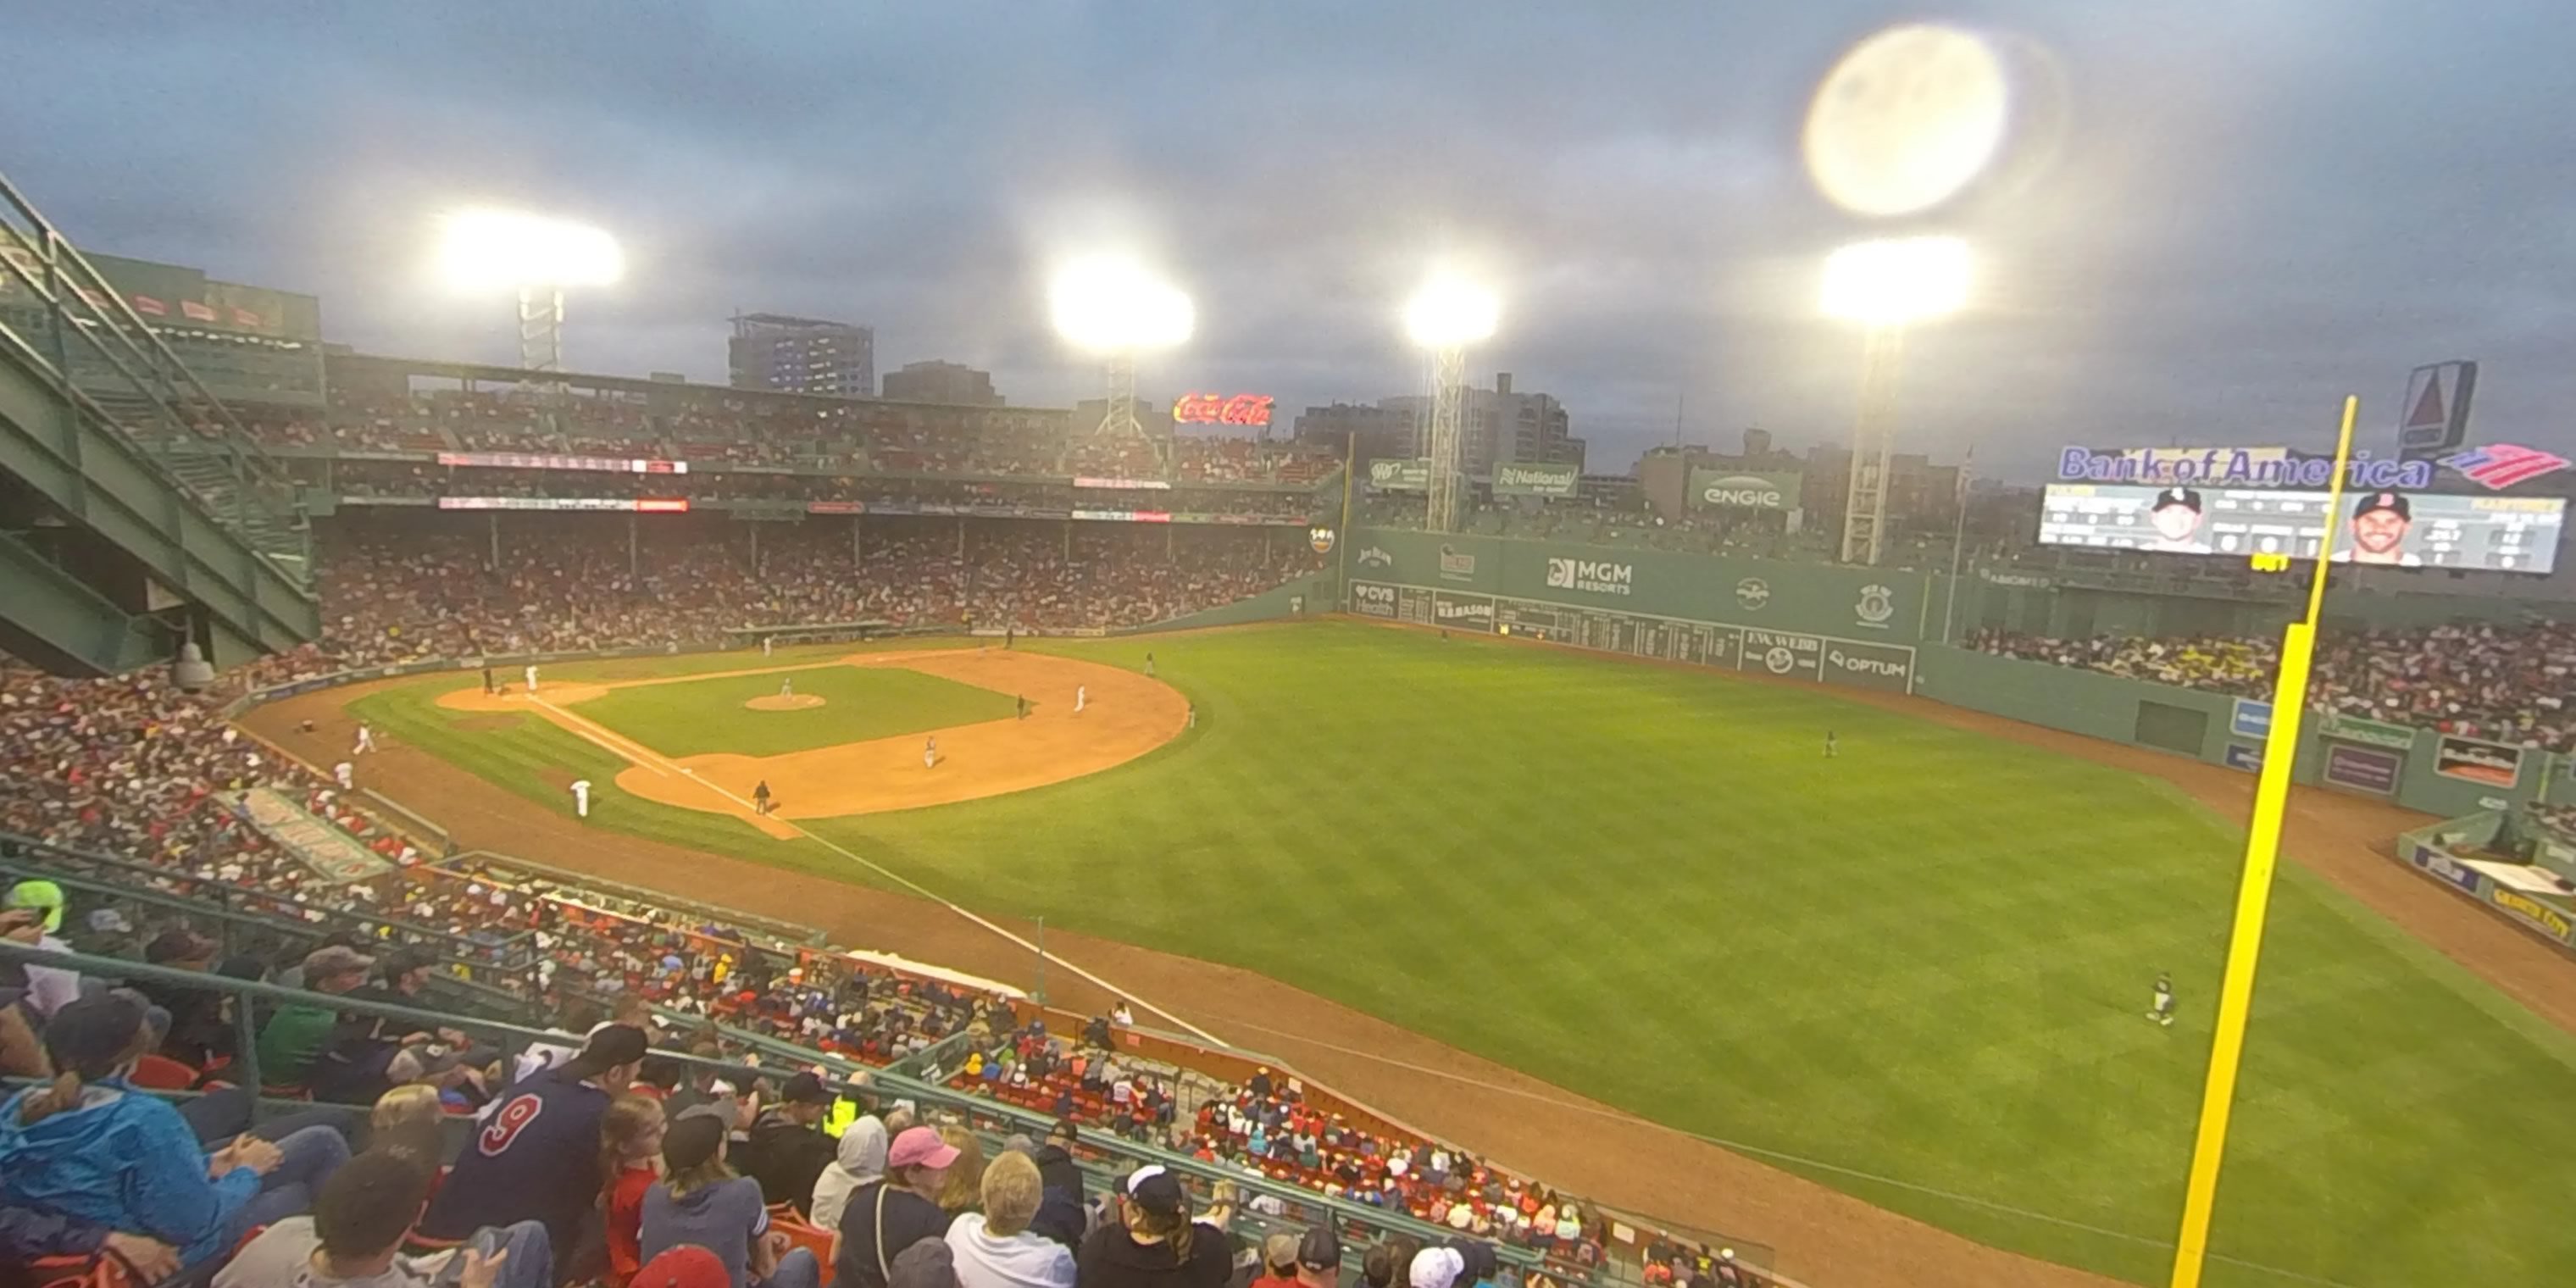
(784, 702)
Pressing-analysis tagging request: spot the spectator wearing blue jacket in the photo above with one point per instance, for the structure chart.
(91, 1147)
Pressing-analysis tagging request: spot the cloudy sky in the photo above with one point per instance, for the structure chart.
(2218, 216)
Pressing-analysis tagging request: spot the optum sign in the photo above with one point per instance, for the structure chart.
(1732, 490)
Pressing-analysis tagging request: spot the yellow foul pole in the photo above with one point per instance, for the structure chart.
(2254, 891)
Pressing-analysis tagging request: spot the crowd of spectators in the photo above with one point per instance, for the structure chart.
(2497, 682)
(878, 437)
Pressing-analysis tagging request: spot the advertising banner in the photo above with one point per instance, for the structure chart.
(2375, 733)
(2364, 769)
(1401, 475)
(541, 461)
(2250, 719)
(1719, 489)
(1870, 666)
(1370, 599)
(2474, 760)
(1535, 480)
(644, 505)
(1463, 612)
(1125, 516)
(1781, 653)
(2540, 915)
(2441, 865)
(1123, 485)
(322, 846)
(2247, 758)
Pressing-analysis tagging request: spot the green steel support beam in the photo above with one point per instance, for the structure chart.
(53, 619)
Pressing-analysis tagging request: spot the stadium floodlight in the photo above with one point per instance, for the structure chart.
(1116, 307)
(1446, 316)
(1897, 281)
(1887, 285)
(1449, 313)
(499, 250)
(503, 249)
(1111, 304)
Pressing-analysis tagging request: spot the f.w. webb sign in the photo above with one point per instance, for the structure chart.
(1600, 576)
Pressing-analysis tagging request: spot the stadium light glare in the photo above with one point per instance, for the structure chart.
(1908, 119)
(1112, 304)
(506, 250)
(1448, 313)
(1897, 281)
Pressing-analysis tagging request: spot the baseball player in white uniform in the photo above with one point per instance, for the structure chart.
(787, 687)
(366, 741)
(2162, 1012)
(930, 753)
(346, 773)
(581, 797)
(531, 676)
(1081, 697)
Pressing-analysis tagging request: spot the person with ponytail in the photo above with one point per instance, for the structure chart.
(88, 1145)
(1154, 1243)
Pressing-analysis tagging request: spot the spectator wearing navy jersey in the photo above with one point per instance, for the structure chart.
(536, 1153)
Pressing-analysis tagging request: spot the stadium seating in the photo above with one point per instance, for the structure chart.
(2504, 683)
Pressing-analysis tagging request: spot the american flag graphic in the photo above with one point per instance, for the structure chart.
(2501, 465)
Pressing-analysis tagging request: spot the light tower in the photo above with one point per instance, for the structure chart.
(538, 257)
(1445, 317)
(1886, 285)
(1117, 308)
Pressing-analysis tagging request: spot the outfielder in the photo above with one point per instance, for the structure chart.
(1829, 744)
(930, 753)
(1081, 697)
(530, 674)
(1149, 666)
(581, 797)
(366, 741)
(346, 773)
(2163, 1010)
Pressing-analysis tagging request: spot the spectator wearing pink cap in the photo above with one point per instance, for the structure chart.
(1154, 1243)
(884, 1217)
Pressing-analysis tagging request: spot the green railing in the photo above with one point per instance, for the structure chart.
(24, 855)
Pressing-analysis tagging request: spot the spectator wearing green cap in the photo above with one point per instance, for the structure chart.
(38, 924)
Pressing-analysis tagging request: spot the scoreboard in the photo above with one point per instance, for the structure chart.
(1795, 654)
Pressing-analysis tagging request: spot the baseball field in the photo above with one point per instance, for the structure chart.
(1915, 971)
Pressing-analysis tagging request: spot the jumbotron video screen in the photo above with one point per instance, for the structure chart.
(2412, 530)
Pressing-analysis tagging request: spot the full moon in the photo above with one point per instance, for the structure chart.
(1906, 120)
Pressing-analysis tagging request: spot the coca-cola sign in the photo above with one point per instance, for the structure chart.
(1222, 409)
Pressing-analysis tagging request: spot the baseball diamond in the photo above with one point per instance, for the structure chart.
(1863, 967)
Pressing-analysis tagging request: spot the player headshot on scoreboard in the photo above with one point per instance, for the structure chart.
(2379, 524)
(2176, 517)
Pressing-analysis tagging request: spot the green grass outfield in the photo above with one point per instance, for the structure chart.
(1926, 960)
(694, 717)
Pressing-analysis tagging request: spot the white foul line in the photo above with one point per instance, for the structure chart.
(645, 756)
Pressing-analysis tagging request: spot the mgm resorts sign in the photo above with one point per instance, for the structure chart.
(1600, 576)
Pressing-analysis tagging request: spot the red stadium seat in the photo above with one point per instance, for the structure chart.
(161, 1073)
